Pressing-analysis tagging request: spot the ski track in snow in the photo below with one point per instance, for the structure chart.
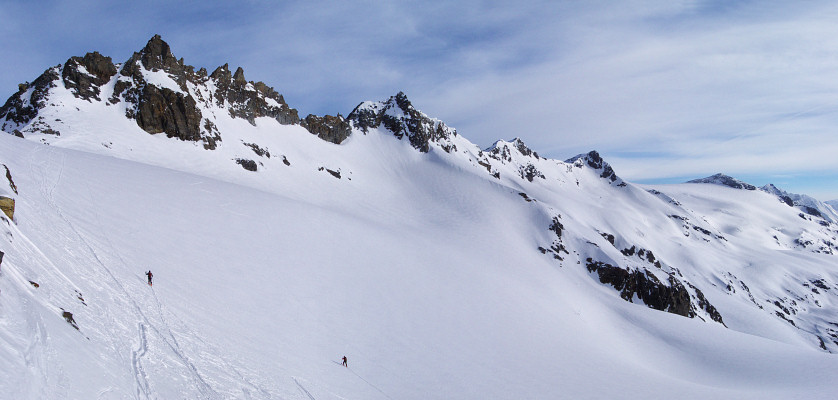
(303, 389)
(141, 377)
(368, 383)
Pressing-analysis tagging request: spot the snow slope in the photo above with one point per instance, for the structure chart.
(439, 269)
(427, 283)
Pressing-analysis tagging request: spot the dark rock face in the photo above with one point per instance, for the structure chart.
(519, 144)
(158, 109)
(249, 165)
(20, 109)
(164, 110)
(249, 100)
(672, 297)
(399, 117)
(85, 75)
(329, 128)
(9, 178)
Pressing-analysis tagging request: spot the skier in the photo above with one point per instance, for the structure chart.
(149, 274)
(344, 362)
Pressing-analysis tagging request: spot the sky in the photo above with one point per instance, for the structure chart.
(666, 91)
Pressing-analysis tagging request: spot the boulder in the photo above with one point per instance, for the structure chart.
(7, 204)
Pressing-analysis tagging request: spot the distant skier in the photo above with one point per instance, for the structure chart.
(344, 362)
(149, 274)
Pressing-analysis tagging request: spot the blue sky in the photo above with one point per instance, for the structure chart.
(665, 90)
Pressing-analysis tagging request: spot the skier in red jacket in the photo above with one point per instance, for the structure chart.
(149, 274)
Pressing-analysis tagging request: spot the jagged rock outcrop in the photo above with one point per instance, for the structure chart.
(399, 116)
(85, 75)
(158, 109)
(173, 113)
(502, 150)
(672, 296)
(250, 100)
(594, 160)
(329, 128)
(162, 94)
(23, 106)
(9, 179)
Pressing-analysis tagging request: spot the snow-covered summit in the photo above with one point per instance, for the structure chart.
(398, 116)
(595, 161)
(504, 149)
(805, 203)
(725, 180)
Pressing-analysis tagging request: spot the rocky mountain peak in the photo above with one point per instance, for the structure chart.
(503, 150)
(238, 77)
(404, 104)
(85, 75)
(157, 55)
(222, 74)
(519, 144)
(23, 106)
(594, 160)
(725, 180)
(398, 116)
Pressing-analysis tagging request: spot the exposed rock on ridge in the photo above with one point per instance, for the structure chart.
(85, 75)
(595, 161)
(23, 106)
(399, 116)
(158, 107)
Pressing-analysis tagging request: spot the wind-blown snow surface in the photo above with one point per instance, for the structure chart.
(421, 268)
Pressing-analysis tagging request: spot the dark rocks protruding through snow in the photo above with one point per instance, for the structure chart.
(398, 116)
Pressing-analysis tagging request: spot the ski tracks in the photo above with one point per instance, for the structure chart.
(47, 188)
(140, 375)
(303, 389)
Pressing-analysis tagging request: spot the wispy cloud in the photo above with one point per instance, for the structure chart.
(662, 89)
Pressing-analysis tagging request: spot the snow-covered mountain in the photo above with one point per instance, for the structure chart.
(807, 204)
(441, 270)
